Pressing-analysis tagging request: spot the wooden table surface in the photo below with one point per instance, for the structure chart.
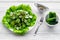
(44, 33)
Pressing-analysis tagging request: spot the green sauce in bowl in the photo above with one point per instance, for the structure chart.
(52, 18)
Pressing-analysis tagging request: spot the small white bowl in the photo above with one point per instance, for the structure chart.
(41, 8)
(49, 24)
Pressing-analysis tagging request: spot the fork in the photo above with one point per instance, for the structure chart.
(42, 10)
(40, 23)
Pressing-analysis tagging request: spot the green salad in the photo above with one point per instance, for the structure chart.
(51, 18)
(19, 18)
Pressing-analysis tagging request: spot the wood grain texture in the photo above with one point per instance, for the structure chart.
(44, 32)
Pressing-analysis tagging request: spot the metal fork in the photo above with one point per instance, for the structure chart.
(42, 10)
(40, 23)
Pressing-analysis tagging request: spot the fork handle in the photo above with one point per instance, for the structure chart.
(37, 29)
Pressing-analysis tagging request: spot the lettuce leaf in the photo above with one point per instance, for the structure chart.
(11, 26)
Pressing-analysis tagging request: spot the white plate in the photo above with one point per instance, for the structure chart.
(33, 10)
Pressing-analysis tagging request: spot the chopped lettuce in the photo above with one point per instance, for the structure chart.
(19, 18)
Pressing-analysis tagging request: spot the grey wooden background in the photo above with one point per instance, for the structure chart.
(44, 32)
